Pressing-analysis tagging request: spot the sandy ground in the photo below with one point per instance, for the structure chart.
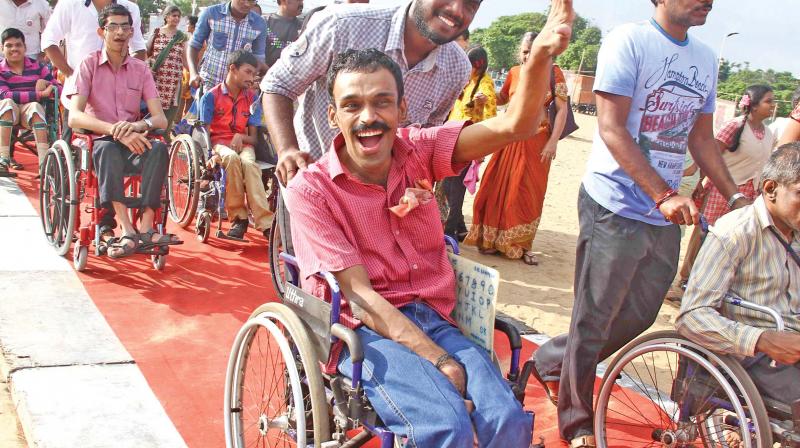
(542, 296)
(10, 431)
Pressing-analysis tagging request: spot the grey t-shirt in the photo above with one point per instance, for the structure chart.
(281, 31)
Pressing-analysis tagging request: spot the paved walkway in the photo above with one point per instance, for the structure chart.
(72, 382)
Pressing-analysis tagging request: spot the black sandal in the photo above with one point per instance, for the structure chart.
(126, 250)
(166, 239)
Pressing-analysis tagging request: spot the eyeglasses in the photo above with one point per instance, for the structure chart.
(116, 27)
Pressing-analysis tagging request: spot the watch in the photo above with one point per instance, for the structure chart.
(148, 122)
(735, 197)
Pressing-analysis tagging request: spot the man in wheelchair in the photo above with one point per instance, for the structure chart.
(23, 82)
(365, 213)
(226, 109)
(752, 253)
(105, 101)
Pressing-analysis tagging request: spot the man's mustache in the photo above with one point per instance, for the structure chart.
(376, 126)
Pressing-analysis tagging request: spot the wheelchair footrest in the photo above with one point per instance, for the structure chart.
(7, 174)
(224, 236)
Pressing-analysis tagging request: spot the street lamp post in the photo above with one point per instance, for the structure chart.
(722, 48)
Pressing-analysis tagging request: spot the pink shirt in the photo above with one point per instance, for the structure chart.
(113, 95)
(339, 222)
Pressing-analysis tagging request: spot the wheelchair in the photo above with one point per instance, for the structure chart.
(188, 168)
(276, 392)
(68, 186)
(664, 390)
(25, 137)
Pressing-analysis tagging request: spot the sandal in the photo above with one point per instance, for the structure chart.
(123, 250)
(530, 259)
(167, 239)
(107, 232)
(583, 442)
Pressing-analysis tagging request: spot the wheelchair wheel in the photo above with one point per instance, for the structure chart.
(72, 194)
(274, 395)
(50, 195)
(183, 180)
(203, 226)
(663, 390)
(80, 257)
(277, 269)
(159, 262)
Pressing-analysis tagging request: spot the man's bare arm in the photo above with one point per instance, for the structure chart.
(791, 133)
(279, 113)
(57, 58)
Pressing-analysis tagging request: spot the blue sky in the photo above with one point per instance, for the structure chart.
(766, 26)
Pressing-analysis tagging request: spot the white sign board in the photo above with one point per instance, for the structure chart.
(476, 293)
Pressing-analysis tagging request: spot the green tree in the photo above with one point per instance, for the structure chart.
(501, 41)
(735, 78)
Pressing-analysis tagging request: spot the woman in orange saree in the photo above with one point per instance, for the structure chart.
(508, 206)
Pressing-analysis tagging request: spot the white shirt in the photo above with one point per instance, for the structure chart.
(75, 21)
(778, 126)
(29, 17)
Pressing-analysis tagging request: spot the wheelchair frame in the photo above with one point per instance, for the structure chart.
(316, 323)
(68, 182)
(25, 136)
(767, 420)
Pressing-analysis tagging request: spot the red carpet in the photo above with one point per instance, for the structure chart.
(179, 324)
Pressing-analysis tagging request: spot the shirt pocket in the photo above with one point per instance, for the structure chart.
(133, 97)
(218, 40)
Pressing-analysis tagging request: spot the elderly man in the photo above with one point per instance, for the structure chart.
(108, 89)
(421, 374)
(754, 253)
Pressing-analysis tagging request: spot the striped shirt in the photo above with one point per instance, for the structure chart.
(339, 222)
(431, 86)
(22, 88)
(742, 256)
(226, 35)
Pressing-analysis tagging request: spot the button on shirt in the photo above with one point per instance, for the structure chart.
(742, 256)
(113, 95)
(226, 115)
(76, 22)
(431, 87)
(339, 222)
(225, 35)
(29, 17)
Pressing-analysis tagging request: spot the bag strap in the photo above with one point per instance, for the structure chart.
(162, 56)
(786, 245)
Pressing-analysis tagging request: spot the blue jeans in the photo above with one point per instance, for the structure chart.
(416, 402)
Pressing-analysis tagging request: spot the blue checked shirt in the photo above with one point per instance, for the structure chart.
(226, 35)
(431, 87)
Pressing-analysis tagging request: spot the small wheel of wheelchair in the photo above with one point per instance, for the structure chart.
(274, 394)
(159, 261)
(275, 247)
(183, 180)
(80, 257)
(203, 226)
(663, 390)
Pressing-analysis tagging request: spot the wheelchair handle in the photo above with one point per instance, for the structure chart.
(733, 299)
(450, 241)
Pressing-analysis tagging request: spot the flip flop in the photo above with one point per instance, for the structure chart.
(167, 239)
(126, 249)
(530, 259)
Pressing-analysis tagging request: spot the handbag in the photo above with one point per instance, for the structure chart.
(569, 125)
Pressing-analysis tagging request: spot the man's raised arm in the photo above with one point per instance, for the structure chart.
(517, 123)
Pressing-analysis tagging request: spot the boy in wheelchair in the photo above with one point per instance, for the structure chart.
(364, 213)
(23, 82)
(226, 110)
(106, 103)
(752, 253)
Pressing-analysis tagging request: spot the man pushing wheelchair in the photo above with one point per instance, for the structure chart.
(365, 213)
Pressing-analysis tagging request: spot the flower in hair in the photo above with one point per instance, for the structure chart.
(744, 102)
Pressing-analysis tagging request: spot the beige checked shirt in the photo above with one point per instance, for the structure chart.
(431, 87)
(742, 256)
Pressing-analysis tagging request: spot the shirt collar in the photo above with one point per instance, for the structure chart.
(28, 64)
(104, 57)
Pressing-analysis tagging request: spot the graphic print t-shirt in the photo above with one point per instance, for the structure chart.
(670, 83)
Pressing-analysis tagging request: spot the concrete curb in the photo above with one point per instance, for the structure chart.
(71, 379)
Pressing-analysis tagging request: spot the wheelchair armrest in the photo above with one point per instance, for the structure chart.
(450, 241)
(732, 299)
(515, 343)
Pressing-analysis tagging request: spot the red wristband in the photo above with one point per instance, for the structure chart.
(667, 195)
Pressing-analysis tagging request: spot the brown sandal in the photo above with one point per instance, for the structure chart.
(582, 442)
(530, 259)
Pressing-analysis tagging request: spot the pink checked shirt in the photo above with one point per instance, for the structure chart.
(339, 222)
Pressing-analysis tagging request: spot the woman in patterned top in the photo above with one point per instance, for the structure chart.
(791, 132)
(478, 102)
(746, 144)
(509, 204)
(167, 52)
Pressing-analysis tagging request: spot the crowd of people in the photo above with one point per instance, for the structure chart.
(381, 118)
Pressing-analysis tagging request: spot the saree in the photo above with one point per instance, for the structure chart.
(508, 207)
